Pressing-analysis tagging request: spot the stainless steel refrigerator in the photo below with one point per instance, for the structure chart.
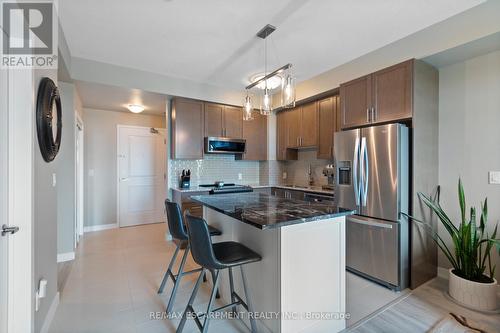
(372, 169)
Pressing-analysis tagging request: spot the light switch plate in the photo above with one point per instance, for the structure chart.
(494, 177)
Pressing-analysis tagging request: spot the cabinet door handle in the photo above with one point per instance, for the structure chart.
(367, 115)
(374, 114)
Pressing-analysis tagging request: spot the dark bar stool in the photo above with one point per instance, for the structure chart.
(216, 257)
(180, 238)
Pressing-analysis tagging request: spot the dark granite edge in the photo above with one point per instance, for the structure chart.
(280, 224)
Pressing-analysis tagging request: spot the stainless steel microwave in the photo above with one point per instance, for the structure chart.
(220, 145)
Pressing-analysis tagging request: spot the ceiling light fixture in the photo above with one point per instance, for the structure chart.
(267, 82)
(247, 108)
(135, 108)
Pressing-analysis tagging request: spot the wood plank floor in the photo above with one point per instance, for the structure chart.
(425, 307)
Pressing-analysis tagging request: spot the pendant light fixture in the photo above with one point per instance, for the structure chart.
(288, 90)
(283, 73)
(247, 108)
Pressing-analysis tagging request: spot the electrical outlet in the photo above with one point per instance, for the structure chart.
(285, 175)
(240, 176)
(494, 177)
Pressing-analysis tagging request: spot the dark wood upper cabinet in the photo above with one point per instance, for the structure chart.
(233, 122)
(223, 121)
(214, 114)
(292, 120)
(355, 98)
(187, 129)
(302, 126)
(282, 151)
(309, 125)
(327, 125)
(255, 133)
(381, 97)
(392, 93)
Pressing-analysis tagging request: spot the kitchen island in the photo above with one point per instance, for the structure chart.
(299, 286)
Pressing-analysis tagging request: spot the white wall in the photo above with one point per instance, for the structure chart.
(66, 172)
(100, 158)
(45, 218)
(469, 137)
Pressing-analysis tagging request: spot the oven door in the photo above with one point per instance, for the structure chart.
(373, 249)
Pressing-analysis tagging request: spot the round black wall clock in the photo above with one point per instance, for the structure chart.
(48, 119)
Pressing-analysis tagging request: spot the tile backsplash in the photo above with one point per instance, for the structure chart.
(215, 167)
(297, 171)
(226, 168)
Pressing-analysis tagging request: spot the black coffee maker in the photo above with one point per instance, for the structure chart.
(185, 180)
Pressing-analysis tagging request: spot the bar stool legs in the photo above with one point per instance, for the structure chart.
(235, 301)
(249, 305)
(177, 277)
(169, 270)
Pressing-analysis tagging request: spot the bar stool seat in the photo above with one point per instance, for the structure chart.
(230, 254)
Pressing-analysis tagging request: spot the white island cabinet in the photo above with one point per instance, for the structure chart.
(299, 285)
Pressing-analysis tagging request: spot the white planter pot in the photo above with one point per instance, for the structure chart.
(475, 295)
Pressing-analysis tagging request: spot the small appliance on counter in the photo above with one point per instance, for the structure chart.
(185, 180)
(329, 172)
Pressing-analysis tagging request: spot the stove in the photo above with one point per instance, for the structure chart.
(224, 188)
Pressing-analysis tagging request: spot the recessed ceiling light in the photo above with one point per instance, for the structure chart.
(135, 108)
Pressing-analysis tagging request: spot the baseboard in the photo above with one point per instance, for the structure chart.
(443, 273)
(68, 256)
(50, 314)
(100, 227)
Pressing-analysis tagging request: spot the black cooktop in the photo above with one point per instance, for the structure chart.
(215, 185)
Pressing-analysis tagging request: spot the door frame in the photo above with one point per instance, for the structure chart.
(21, 149)
(165, 179)
(79, 178)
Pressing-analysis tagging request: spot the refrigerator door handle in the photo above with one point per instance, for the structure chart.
(355, 172)
(365, 172)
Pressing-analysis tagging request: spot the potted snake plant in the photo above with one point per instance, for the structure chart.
(472, 280)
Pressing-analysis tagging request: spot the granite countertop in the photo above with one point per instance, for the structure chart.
(265, 211)
(312, 189)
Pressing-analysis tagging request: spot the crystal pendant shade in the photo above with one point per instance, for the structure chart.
(266, 105)
(247, 108)
(288, 91)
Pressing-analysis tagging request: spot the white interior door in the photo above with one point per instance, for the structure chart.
(141, 175)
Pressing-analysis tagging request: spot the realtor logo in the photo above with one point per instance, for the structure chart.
(29, 36)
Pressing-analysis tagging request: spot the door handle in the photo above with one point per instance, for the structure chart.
(355, 171)
(367, 115)
(123, 179)
(364, 170)
(374, 114)
(370, 223)
(9, 230)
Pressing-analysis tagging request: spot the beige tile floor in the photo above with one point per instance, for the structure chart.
(111, 287)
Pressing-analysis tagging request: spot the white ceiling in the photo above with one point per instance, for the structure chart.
(214, 41)
(104, 97)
